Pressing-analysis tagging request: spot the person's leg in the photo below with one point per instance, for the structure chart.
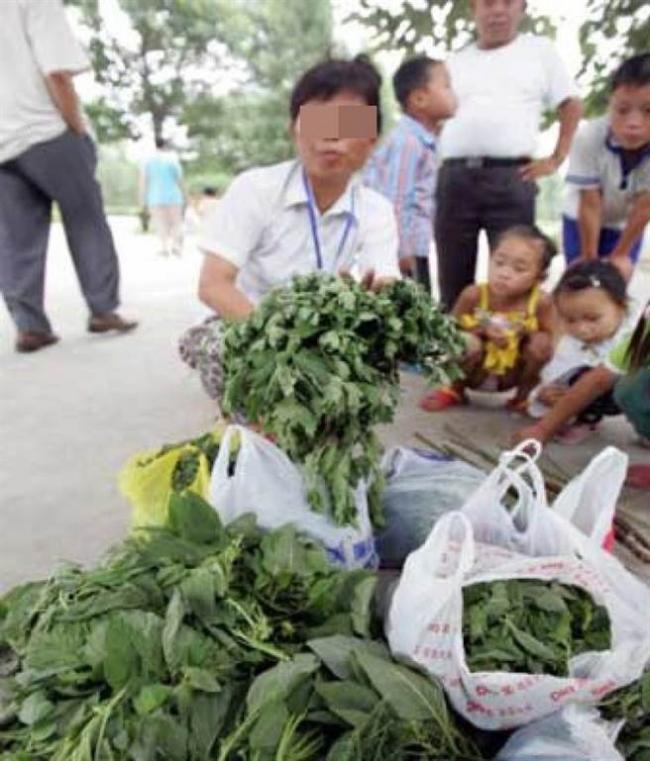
(64, 170)
(24, 232)
(422, 273)
(608, 240)
(506, 200)
(176, 228)
(570, 240)
(456, 230)
(536, 351)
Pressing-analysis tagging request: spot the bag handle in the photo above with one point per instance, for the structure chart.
(447, 531)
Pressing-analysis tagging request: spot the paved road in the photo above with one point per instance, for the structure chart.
(71, 415)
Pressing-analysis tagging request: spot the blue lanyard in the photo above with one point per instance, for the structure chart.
(311, 206)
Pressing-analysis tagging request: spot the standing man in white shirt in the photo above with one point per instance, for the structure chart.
(503, 83)
(47, 155)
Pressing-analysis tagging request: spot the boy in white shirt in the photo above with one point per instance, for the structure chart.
(503, 82)
(608, 201)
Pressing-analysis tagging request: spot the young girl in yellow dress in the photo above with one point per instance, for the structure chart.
(508, 322)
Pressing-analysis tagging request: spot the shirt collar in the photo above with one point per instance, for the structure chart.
(295, 194)
(412, 125)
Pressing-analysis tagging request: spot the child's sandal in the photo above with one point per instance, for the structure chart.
(441, 398)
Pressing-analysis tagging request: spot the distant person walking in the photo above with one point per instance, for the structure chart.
(162, 193)
(503, 83)
(46, 155)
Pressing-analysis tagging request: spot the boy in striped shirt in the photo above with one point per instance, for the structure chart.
(404, 166)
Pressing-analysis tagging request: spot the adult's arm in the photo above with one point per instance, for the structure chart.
(217, 289)
(587, 389)
(636, 223)
(64, 96)
(590, 213)
(569, 113)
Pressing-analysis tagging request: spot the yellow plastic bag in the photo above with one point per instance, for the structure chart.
(147, 481)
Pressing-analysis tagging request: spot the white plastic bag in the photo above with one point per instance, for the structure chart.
(589, 500)
(421, 485)
(576, 733)
(266, 483)
(425, 617)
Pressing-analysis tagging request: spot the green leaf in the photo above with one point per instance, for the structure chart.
(276, 683)
(351, 701)
(335, 652)
(151, 697)
(201, 679)
(192, 518)
(35, 708)
(412, 696)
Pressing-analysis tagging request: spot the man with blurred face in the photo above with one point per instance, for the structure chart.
(504, 81)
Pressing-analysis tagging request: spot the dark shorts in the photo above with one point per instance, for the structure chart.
(606, 243)
(604, 406)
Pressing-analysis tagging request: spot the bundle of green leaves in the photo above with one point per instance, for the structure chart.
(530, 626)
(632, 704)
(156, 653)
(316, 364)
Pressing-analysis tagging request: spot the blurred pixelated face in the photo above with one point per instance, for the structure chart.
(629, 113)
(436, 99)
(497, 21)
(515, 266)
(590, 314)
(334, 137)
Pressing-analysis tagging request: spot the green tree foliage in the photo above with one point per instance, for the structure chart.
(165, 59)
(277, 40)
(614, 30)
(418, 23)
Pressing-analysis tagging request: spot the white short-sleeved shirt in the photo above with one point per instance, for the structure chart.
(596, 161)
(262, 226)
(35, 40)
(502, 93)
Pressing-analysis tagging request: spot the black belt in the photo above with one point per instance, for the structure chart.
(480, 162)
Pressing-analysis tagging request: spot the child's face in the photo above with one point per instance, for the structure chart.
(437, 99)
(515, 266)
(629, 113)
(590, 315)
(330, 158)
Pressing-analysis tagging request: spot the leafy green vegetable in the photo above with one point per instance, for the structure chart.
(530, 626)
(196, 642)
(632, 704)
(317, 365)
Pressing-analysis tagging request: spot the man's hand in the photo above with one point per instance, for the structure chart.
(539, 168)
(497, 336)
(369, 281)
(407, 265)
(551, 394)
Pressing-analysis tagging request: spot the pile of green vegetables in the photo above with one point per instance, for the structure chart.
(196, 641)
(316, 364)
(632, 703)
(530, 626)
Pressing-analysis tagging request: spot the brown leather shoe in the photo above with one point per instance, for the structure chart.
(32, 340)
(103, 323)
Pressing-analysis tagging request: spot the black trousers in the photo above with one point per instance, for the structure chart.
(468, 200)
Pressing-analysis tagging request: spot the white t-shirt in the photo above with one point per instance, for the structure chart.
(501, 94)
(262, 226)
(595, 162)
(35, 40)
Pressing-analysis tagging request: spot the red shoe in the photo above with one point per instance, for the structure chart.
(441, 398)
(574, 434)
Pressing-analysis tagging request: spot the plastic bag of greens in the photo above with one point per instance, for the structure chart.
(421, 486)
(262, 480)
(149, 478)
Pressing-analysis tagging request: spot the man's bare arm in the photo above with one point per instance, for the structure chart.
(62, 91)
(590, 213)
(218, 291)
